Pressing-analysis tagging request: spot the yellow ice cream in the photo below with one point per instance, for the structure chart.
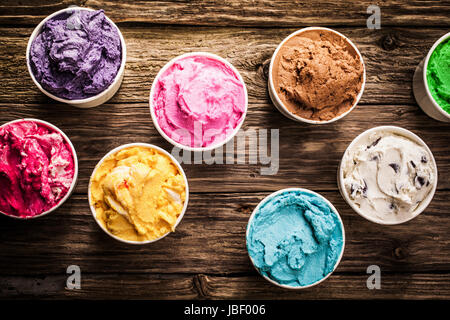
(138, 193)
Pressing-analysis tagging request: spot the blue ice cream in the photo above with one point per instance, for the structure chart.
(295, 238)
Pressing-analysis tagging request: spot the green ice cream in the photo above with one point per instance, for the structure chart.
(438, 75)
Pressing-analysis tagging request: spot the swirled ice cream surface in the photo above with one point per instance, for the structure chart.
(77, 54)
(36, 168)
(199, 101)
(295, 238)
(138, 193)
(388, 175)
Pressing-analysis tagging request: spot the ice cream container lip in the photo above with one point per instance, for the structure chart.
(93, 101)
(425, 67)
(400, 131)
(150, 146)
(274, 194)
(279, 103)
(75, 172)
(152, 107)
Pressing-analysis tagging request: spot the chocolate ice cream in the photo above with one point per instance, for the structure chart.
(317, 74)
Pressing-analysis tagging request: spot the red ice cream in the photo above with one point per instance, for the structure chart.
(36, 168)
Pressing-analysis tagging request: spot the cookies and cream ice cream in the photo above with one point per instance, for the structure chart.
(77, 54)
(36, 168)
(295, 238)
(317, 74)
(438, 75)
(198, 101)
(387, 175)
(138, 193)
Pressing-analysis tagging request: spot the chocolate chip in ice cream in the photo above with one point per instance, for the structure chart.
(358, 188)
(419, 181)
(374, 143)
(394, 166)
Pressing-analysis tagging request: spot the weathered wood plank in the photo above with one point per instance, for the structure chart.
(109, 286)
(242, 13)
(391, 56)
(309, 155)
(28, 11)
(211, 240)
(206, 257)
(338, 286)
(160, 287)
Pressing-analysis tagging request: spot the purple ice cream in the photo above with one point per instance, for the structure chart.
(77, 54)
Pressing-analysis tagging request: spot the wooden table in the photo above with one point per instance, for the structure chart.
(206, 256)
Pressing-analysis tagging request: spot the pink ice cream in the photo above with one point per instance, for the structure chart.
(36, 168)
(199, 101)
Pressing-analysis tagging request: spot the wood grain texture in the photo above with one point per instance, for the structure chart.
(160, 287)
(338, 286)
(206, 257)
(309, 155)
(391, 56)
(110, 286)
(267, 13)
(211, 240)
